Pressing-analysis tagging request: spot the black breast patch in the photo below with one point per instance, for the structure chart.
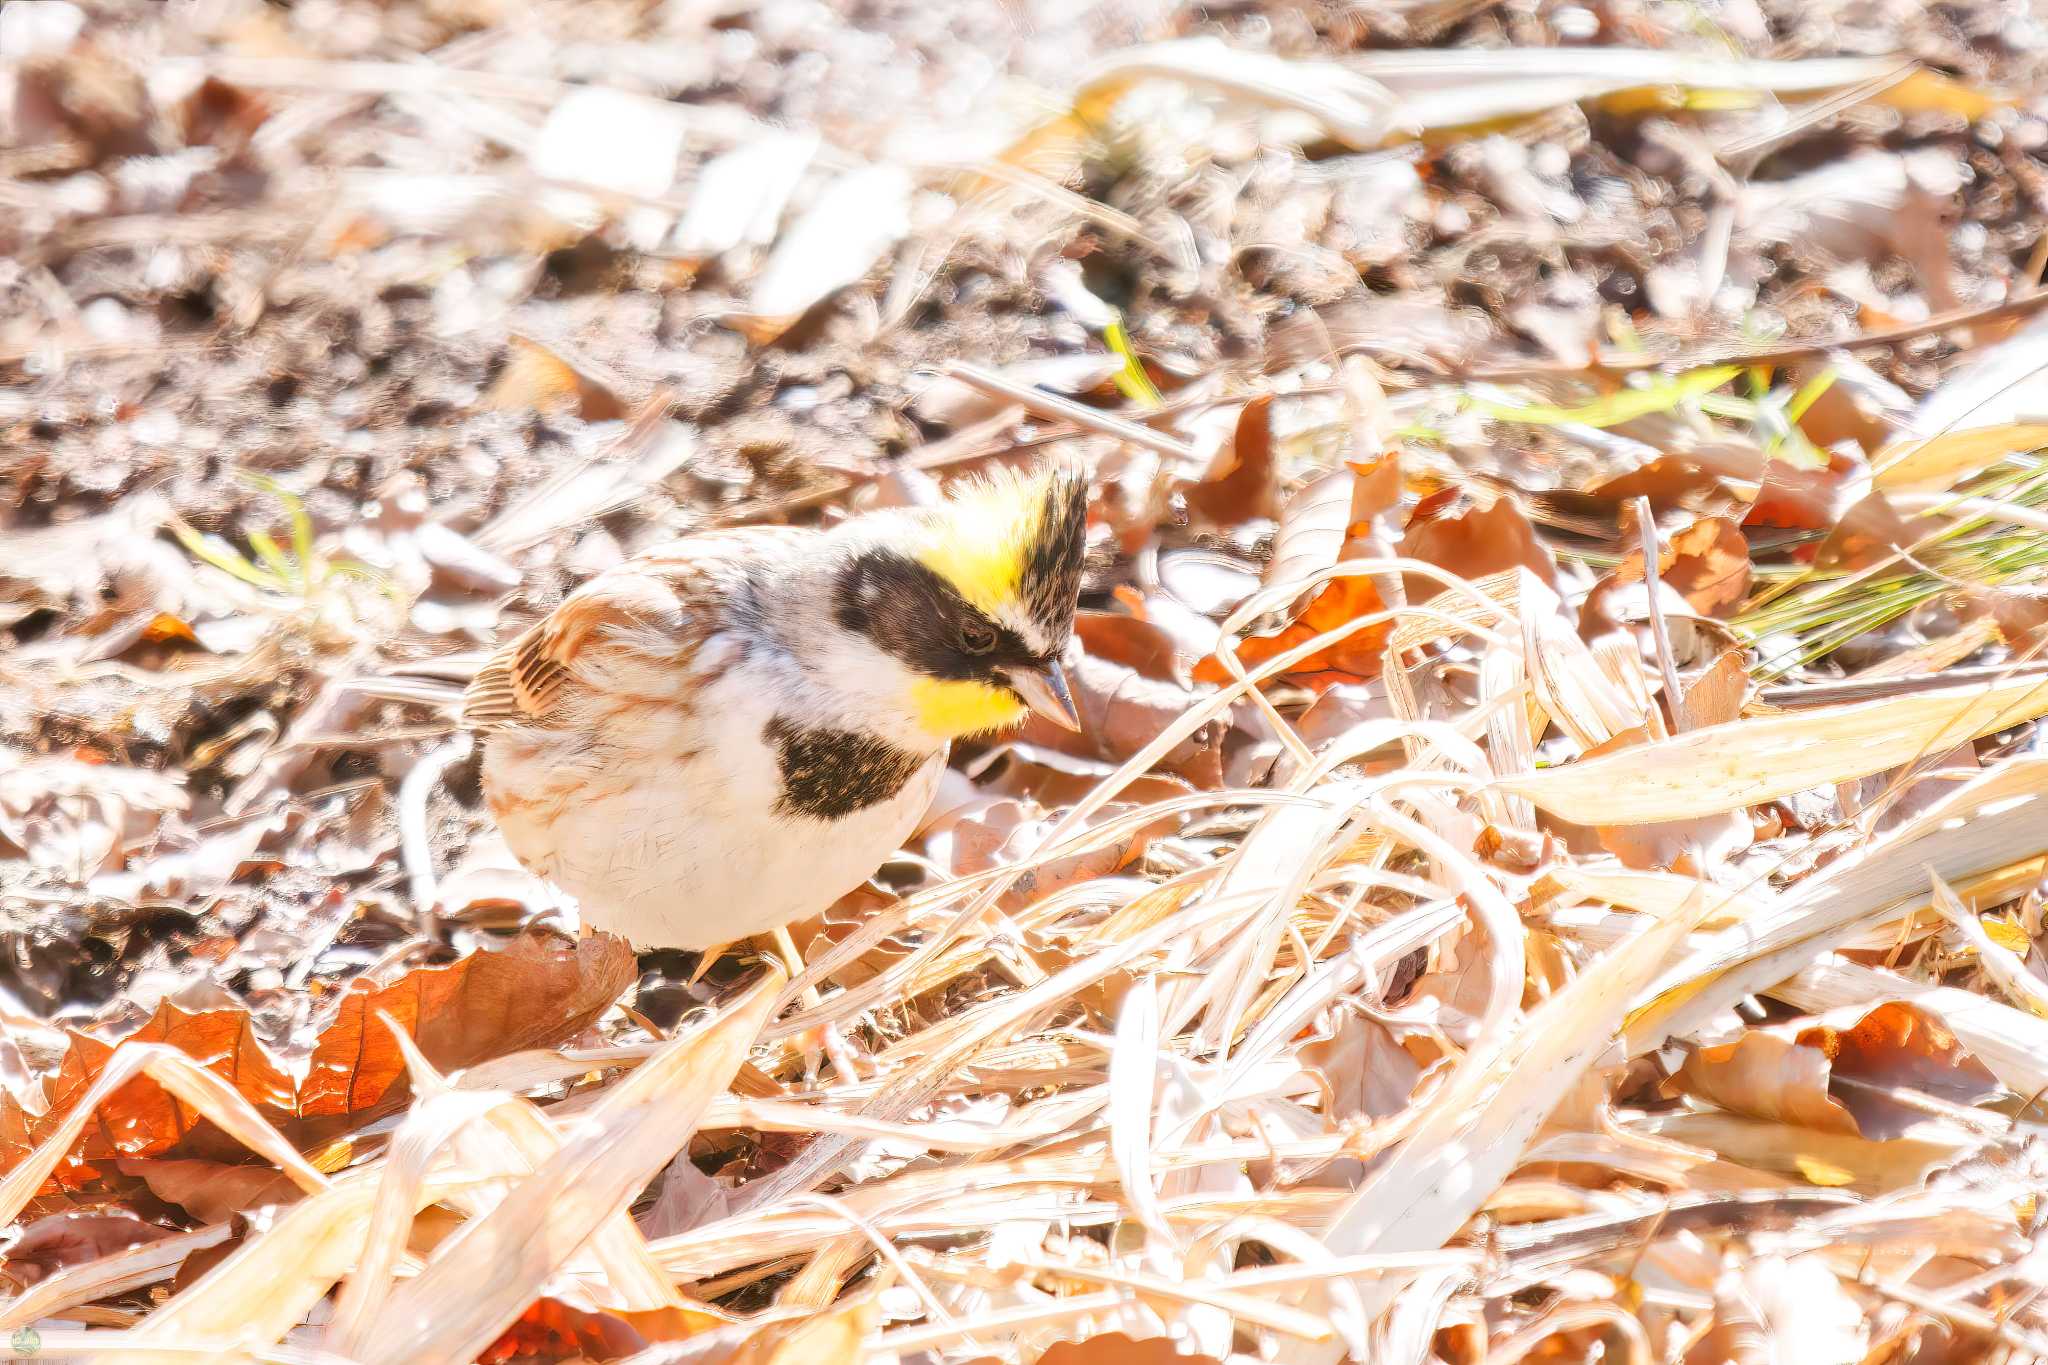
(830, 774)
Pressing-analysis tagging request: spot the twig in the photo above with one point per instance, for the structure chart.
(1770, 355)
(1871, 689)
(412, 818)
(1646, 528)
(1080, 414)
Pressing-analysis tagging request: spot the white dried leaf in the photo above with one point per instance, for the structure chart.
(613, 140)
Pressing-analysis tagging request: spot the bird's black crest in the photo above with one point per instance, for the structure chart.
(1052, 568)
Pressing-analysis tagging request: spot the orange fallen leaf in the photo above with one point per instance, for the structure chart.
(535, 377)
(552, 1330)
(1114, 1348)
(1241, 483)
(1341, 600)
(536, 991)
(1791, 1076)
(1808, 497)
(1707, 563)
(1454, 533)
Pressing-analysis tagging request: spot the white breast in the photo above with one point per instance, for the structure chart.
(686, 852)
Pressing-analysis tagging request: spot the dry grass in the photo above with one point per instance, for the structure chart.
(1552, 869)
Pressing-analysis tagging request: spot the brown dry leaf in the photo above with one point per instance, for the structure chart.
(51, 1243)
(212, 1191)
(1241, 483)
(1146, 649)
(1716, 696)
(1720, 471)
(1871, 532)
(1341, 600)
(220, 115)
(1114, 1348)
(1329, 515)
(1707, 563)
(1362, 1070)
(1858, 405)
(999, 831)
(1122, 711)
(1808, 497)
(536, 378)
(536, 991)
(72, 817)
(1902, 1046)
(1771, 1075)
(2015, 617)
(1454, 533)
(1362, 493)
(552, 1330)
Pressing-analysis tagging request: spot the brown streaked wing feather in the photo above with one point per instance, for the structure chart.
(526, 681)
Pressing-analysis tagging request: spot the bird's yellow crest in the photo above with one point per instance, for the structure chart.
(982, 540)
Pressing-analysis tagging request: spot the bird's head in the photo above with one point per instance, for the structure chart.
(977, 601)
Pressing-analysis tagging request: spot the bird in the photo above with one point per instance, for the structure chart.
(729, 732)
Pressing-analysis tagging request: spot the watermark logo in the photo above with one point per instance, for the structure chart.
(26, 1341)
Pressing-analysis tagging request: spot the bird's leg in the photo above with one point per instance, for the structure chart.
(794, 960)
(835, 1043)
(705, 961)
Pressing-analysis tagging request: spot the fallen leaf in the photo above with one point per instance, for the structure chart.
(1122, 711)
(552, 1330)
(1340, 601)
(1138, 645)
(1871, 532)
(1361, 493)
(1707, 563)
(212, 1191)
(1001, 831)
(684, 1198)
(1791, 1075)
(1900, 1046)
(832, 244)
(536, 378)
(1114, 1348)
(1769, 1076)
(51, 1243)
(72, 818)
(536, 991)
(1325, 516)
(1722, 471)
(1241, 483)
(1362, 1070)
(1808, 497)
(1454, 533)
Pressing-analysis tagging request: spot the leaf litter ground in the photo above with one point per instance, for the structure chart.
(1552, 867)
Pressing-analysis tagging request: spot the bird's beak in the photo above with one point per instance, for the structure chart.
(1044, 690)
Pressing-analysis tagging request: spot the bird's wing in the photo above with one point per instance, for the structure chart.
(628, 630)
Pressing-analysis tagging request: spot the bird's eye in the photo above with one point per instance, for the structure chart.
(977, 637)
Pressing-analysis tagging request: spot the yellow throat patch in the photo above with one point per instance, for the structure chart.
(953, 709)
